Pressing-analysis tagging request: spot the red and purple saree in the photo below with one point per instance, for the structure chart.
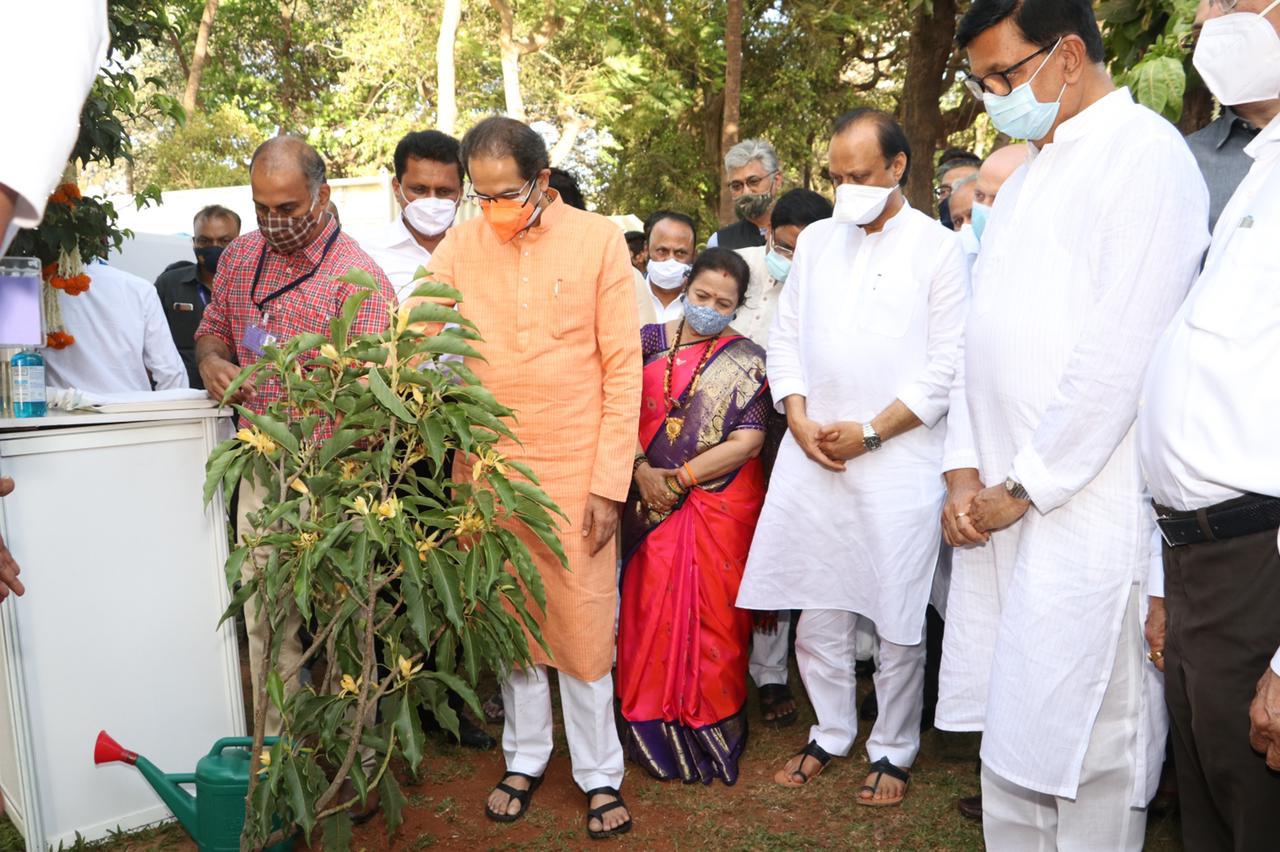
(682, 644)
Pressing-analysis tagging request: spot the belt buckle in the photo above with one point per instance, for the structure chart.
(1164, 535)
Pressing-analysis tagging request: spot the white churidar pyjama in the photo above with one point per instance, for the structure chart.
(595, 752)
(825, 642)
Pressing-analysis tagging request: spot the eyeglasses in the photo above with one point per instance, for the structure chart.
(521, 194)
(998, 82)
(942, 192)
(1225, 5)
(785, 251)
(752, 183)
(210, 242)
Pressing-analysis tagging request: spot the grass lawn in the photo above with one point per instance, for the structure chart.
(445, 809)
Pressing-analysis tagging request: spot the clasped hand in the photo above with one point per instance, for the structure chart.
(829, 446)
(973, 511)
(654, 491)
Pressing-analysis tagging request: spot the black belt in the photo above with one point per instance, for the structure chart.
(1252, 513)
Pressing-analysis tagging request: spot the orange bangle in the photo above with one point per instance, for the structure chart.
(692, 479)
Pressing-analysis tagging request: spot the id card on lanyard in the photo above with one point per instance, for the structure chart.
(256, 336)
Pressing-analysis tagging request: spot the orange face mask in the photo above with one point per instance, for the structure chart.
(508, 216)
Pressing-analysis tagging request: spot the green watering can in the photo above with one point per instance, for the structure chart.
(214, 816)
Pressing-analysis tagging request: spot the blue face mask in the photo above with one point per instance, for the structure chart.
(704, 320)
(1019, 114)
(779, 267)
(978, 218)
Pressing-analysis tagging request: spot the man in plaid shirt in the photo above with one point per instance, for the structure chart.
(273, 284)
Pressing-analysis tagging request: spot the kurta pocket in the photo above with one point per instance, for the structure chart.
(888, 305)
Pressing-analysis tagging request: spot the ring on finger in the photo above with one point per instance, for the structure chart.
(1155, 656)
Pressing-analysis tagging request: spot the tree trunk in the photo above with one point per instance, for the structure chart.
(1197, 109)
(286, 70)
(511, 79)
(732, 99)
(573, 127)
(446, 73)
(922, 87)
(199, 57)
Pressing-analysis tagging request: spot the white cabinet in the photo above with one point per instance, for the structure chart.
(123, 568)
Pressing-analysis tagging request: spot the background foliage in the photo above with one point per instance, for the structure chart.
(632, 89)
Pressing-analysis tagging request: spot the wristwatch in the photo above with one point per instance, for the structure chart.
(1016, 490)
(870, 440)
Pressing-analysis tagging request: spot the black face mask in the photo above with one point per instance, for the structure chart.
(207, 258)
(944, 214)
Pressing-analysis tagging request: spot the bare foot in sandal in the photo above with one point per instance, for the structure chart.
(803, 767)
(886, 785)
(502, 802)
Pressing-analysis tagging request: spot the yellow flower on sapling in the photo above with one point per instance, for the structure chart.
(265, 758)
(402, 319)
(307, 540)
(350, 470)
(300, 486)
(407, 669)
(360, 505)
(328, 351)
(388, 508)
(490, 459)
(472, 523)
(428, 545)
(261, 443)
(350, 685)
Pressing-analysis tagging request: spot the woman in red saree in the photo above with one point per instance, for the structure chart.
(687, 526)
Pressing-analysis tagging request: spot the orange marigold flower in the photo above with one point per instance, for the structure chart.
(67, 193)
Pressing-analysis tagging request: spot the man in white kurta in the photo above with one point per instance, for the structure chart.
(863, 350)
(1090, 247)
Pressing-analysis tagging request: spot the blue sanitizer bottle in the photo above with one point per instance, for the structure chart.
(27, 372)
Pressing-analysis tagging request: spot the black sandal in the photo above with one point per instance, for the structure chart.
(598, 813)
(881, 768)
(787, 779)
(521, 796)
(771, 695)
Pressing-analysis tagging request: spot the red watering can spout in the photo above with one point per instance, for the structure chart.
(107, 750)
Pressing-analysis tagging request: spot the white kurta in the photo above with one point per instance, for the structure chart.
(1090, 248)
(395, 250)
(864, 319)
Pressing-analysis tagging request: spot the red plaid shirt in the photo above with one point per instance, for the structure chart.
(305, 308)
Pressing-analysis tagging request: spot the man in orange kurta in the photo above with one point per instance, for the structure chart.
(550, 289)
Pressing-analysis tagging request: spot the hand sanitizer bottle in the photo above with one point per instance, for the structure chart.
(27, 376)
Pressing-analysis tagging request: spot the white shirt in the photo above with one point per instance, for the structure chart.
(1207, 428)
(1090, 248)
(42, 98)
(120, 333)
(665, 313)
(399, 254)
(756, 316)
(864, 319)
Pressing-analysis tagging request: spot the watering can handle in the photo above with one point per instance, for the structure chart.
(238, 742)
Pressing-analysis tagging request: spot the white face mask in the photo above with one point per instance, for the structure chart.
(969, 239)
(1238, 56)
(860, 205)
(430, 217)
(667, 274)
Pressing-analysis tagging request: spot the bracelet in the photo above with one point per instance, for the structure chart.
(640, 459)
(673, 485)
(693, 480)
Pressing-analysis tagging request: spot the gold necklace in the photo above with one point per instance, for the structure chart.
(675, 424)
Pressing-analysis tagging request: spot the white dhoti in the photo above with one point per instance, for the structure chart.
(595, 752)
(1100, 816)
(825, 654)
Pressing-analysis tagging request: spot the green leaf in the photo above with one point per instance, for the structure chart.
(431, 312)
(275, 689)
(409, 730)
(457, 685)
(393, 801)
(433, 434)
(337, 832)
(436, 290)
(411, 588)
(444, 579)
(235, 563)
(337, 443)
(388, 399)
(217, 467)
(299, 802)
(1158, 83)
(447, 343)
(277, 431)
(243, 376)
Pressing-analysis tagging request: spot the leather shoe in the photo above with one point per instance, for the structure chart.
(870, 709)
(970, 807)
(472, 735)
